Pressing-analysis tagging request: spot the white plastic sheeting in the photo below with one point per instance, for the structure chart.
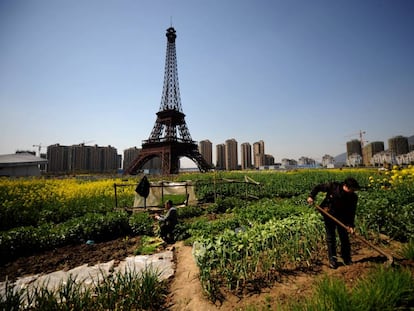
(162, 263)
(160, 189)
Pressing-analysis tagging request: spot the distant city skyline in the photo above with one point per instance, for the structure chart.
(305, 76)
(96, 158)
(189, 164)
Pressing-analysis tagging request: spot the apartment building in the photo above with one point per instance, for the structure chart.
(221, 156)
(205, 147)
(369, 150)
(231, 159)
(328, 161)
(130, 154)
(82, 159)
(398, 145)
(258, 154)
(246, 156)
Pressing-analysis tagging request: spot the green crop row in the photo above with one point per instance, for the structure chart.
(23, 241)
(270, 183)
(239, 259)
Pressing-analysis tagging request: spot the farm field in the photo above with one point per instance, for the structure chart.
(257, 245)
(185, 292)
(185, 283)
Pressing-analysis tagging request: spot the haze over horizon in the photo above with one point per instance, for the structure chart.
(303, 76)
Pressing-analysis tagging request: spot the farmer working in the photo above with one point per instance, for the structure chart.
(340, 201)
(167, 222)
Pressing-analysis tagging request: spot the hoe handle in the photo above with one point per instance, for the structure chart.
(389, 257)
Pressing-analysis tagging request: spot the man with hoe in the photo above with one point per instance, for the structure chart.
(341, 202)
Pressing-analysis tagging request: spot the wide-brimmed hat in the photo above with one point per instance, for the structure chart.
(351, 183)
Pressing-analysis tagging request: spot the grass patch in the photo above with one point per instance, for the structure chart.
(382, 289)
(408, 250)
(385, 289)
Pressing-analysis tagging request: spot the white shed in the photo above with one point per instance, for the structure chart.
(20, 165)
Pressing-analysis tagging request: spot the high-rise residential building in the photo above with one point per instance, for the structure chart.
(269, 159)
(58, 158)
(231, 155)
(221, 156)
(259, 159)
(246, 156)
(258, 154)
(305, 161)
(81, 158)
(205, 147)
(286, 163)
(130, 154)
(398, 145)
(354, 160)
(328, 161)
(354, 152)
(109, 159)
(369, 150)
(154, 165)
(353, 146)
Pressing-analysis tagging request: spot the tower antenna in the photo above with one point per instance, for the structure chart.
(170, 21)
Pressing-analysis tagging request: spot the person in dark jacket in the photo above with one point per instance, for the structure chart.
(168, 222)
(341, 202)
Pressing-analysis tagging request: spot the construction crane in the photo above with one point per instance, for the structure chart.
(361, 134)
(39, 146)
(361, 138)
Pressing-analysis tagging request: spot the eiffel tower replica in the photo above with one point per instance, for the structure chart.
(170, 138)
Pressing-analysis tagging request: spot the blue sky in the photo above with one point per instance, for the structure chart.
(305, 76)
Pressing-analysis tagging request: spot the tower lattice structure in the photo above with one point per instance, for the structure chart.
(170, 138)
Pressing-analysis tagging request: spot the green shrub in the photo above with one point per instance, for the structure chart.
(225, 204)
(390, 212)
(189, 211)
(141, 224)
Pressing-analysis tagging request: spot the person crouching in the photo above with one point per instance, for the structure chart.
(168, 222)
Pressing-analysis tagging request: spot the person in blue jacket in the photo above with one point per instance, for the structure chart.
(341, 202)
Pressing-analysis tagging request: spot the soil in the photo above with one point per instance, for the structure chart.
(69, 257)
(185, 292)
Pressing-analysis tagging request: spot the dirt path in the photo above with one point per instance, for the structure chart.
(187, 295)
(186, 291)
